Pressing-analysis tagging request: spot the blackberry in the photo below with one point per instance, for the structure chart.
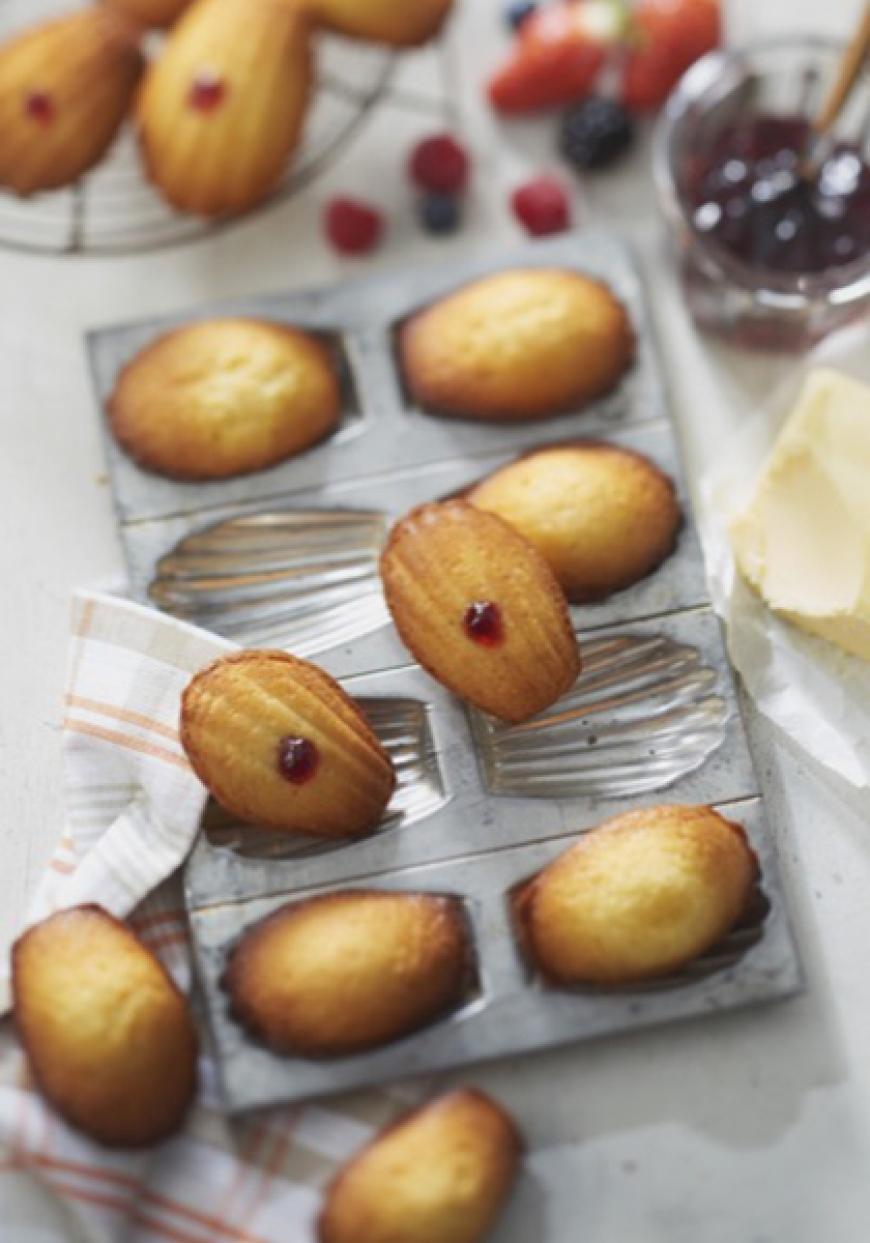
(517, 12)
(595, 133)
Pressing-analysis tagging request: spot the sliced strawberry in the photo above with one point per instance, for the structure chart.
(557, 55)
(666, 37)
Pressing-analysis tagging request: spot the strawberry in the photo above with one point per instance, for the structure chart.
(557, 55)
(666, 37)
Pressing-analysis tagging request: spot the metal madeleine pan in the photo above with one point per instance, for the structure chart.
(510, 1011)
(652, 717)
(380, 431)
(305, 575)
(288, 557)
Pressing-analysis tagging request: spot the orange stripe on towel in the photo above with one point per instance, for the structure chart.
(122, 714)
(124, 740)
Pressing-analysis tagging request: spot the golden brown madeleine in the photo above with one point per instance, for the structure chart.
(400, 23)
(480, 610)
(522, 344)
(109, 1037)
(65, 87)
(151, 12)
(639, 896)
(279, 744)
(221, 111)
(225, 397)
(348, 971)
(439, 1175)
(602, 516)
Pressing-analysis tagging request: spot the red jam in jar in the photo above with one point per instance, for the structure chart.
(483, 623)
(297, 759)
(747, 194)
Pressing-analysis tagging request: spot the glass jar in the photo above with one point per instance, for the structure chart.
(729, 291)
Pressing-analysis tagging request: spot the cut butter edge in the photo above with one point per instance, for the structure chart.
(803, 541)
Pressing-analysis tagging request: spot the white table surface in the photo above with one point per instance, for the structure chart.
(749, 1128)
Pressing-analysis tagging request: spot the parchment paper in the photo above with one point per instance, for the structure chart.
(818, 694)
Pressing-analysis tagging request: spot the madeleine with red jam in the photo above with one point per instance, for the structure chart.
(480, 609)
(279, 744)
(221, 110)
(65, 88)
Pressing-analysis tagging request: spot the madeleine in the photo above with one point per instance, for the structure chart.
(224, 397)
(279, 744)
(65, 88)
(151, 12)
(603, 517)
(397, 23)
(523, 344)
(639, 896)
(109, 1037)
(349, 971)
(221, 110)
(480, 609)
(439, 1175)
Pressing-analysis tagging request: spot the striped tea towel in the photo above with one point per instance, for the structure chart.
(134, 807)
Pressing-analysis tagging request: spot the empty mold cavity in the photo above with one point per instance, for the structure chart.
(303, 579)
(643, 713)
(723, 956)
(403, 727)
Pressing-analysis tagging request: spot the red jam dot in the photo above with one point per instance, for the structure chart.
(483, 623)
(39, 106)
(207, 92)
(297, 759)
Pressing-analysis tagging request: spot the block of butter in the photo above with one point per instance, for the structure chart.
(803, 542)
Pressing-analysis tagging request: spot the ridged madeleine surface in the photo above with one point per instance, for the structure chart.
(639, 896)
(439, 1175)
(279, 744)
(151, 12)
(400, 23)
(602, 516)
(221, 111)
(109, 1037)
(225, 397)
(523, 344)
(443, 566)
(65, 88)
(349, 971)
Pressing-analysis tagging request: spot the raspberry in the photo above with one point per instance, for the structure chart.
(439, 213)
(542, 206)
(353, 227)
(439, 164)
(595, 133)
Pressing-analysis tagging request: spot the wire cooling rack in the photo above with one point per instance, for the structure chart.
(115, 211)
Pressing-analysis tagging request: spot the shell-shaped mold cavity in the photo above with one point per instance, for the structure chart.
(306, 580)
(644, 712)
(403, 730)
